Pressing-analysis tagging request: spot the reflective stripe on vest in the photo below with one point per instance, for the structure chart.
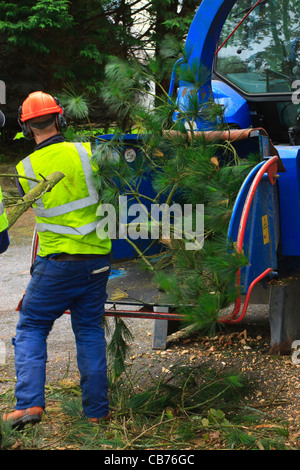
(65, 230)
(1, 207)
(3, 217)
(93, 197)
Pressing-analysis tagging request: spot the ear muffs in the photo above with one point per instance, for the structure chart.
(60, 122)
(25, 128)
(60, 119)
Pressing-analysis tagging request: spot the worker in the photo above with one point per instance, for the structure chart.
(4, 238)
(70, 271)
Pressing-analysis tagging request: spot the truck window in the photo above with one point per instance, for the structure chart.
(263, 55)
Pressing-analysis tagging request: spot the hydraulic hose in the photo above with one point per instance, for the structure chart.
(233, 317)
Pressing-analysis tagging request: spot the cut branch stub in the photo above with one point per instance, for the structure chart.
(33, 195)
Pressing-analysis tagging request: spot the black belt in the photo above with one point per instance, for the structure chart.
(77, 257)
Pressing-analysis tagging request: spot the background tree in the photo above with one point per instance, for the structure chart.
(46, 45)
(49, 44)
(171, 20)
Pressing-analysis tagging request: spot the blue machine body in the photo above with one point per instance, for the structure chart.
(275, 211)
(262, 230)
(236, 107)
(200, 47)
(129, 148)
(262, 233)
(289, 200)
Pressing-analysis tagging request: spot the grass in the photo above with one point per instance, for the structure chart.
(193, 409)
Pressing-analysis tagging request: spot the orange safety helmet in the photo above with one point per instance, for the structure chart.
(39, 104)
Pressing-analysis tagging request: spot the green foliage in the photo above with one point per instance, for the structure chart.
(47, 44)
(19, 21)
(117, 347)
(76, 106)
(190, 390)
(71, 405)
(218, 423)
(121, 90)
(185, 168)
(179, 23)
(47, 13)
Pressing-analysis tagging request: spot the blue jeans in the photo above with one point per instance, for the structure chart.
(57, 286)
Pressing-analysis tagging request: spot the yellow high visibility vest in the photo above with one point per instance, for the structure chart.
(3, 218)
(66, 216)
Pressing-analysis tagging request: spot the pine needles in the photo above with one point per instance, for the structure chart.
(188, 389)
(184, 168)
(117, 348)
(193, 408)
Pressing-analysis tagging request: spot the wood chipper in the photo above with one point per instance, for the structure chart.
(251, 50)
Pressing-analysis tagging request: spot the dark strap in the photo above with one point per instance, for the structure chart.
(76, 257)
